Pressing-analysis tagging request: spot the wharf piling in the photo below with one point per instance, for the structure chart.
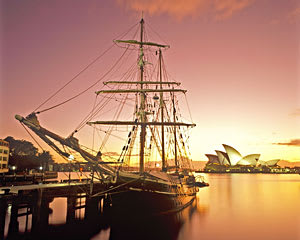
(34, 200)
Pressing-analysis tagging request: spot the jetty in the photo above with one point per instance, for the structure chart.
(24, 179)
(34, 200)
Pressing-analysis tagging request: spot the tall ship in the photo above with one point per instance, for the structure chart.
(152, 170)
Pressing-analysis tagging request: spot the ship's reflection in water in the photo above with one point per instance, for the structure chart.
(149, 227)
(239, 206)
(105, 226)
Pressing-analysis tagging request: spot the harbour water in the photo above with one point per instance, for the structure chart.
(234, 206)
(246, 206)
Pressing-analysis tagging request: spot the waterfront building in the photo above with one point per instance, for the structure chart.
(4, 156)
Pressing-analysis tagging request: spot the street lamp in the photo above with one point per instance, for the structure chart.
(70, 158)
(14, 169)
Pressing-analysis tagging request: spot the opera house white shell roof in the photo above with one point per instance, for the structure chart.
(233, 157)
(269, 163)
(223, 157)
(233, 154)
(212, 158)
(250, 159)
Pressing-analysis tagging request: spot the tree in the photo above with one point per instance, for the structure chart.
(21, 147)
(45, 158)
(25, 155)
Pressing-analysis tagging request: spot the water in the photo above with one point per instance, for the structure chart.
(234, 206)
(246, 206)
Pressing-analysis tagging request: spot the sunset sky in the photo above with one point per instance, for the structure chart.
(238, 59)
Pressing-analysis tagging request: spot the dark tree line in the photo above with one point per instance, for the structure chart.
(24, 155)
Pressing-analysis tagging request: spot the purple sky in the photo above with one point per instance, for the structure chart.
(238, 59)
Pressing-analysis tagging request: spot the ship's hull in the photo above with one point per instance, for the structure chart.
(150, 197)
(148, 203)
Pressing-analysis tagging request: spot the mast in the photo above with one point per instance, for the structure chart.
(142, 91)
(175, 137)
(162, 116)
(142, 101)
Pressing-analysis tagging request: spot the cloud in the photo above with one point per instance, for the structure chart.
(293, 142)
(274, 22)
(296, 113)
(227, 8)
(116, 154)
(174, 8)
(111, 154)
(294, 15)
(219, 9)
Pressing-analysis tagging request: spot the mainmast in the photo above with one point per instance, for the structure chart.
(175, 129)
(142, 100)
(162, 115)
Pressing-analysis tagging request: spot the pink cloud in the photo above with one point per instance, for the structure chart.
(111, 154)
(294, 15)
(296, 112)
(220, 9)
(293, 142)
(227, 8)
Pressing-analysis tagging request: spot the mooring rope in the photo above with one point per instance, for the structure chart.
(116, 187)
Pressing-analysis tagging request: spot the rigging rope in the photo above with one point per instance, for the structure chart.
(32, 137)
(187, 103)
(117, 114)
(44, 110)
(159, 36)
(92, 113)
(94, 128)
(78, 74)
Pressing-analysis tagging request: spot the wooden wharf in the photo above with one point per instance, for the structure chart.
(35, 199)
(21, 179)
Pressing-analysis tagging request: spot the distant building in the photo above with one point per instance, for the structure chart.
(233, 158)
(4, 155)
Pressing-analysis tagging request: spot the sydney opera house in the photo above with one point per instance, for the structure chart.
(231, 157)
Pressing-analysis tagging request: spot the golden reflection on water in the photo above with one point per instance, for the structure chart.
(246, 206)
(234, 206)
(60, 214)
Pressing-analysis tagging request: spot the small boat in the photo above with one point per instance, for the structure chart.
(152, 172)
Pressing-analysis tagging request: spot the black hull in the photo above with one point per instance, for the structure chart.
(147, 203)
(147, 197)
